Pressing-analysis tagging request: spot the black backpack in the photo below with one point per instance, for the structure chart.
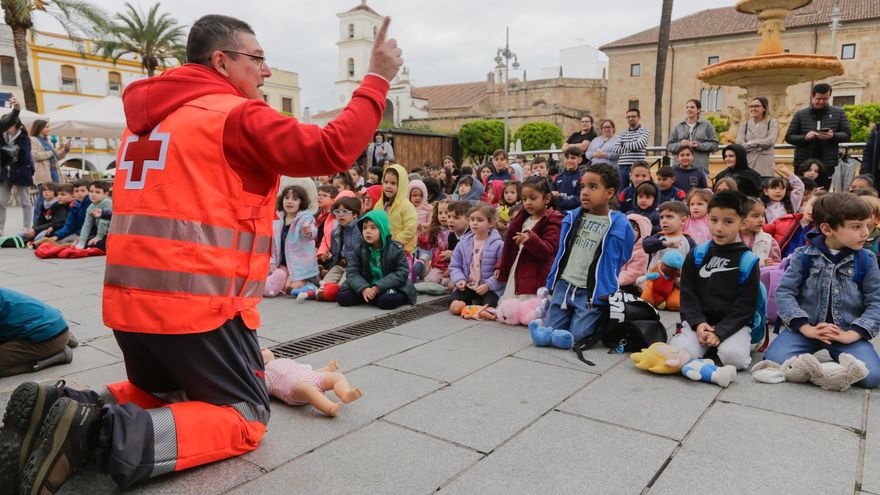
(627, 324)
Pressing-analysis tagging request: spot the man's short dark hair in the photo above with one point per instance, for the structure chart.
(821, 88)
(459, 208)
(64, 188)
(731, 200)
(332, 191)
(608, 173)
(636, 110)
(212, 33)
(676, 207)
(641, 164)
(100, 184)
(377, 171)
(666, 171)
(81, 183)
(539, 159)
(839, 207)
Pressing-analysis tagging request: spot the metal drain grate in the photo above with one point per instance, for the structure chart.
(333, 337)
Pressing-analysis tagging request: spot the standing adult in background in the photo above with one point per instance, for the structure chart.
(696, 132)
(602, 147)
(581, 139)
(45, 158)
(632, 145)
(816, 132)
(758, 136)
(871, 157)
(187, 258)
(16, 166)
(379, 151)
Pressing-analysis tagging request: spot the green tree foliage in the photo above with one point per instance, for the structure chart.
(860, 119)
(480, 137)
(720, 124)
(539, 136)
(156, 39)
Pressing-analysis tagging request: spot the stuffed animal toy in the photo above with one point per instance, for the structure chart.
(665, 359)
(514, 311)
(832, 376)
(326, 292)
(472, 312)
(661, 283)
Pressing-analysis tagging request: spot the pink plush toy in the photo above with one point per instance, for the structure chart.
(520, 312)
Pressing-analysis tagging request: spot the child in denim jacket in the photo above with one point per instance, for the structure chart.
(827, 308)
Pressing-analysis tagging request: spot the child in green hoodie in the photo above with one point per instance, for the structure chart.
(378, 273)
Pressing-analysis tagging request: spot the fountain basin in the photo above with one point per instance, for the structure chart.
(782, 68)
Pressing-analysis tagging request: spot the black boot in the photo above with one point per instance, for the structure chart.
(27, 409)
(63, 356)
(67, 438)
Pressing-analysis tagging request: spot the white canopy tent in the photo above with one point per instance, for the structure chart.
(27, 118)
(103, 118)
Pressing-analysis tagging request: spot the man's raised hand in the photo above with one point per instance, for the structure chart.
(385, 60)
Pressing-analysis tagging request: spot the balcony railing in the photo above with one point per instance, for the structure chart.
(69, 85)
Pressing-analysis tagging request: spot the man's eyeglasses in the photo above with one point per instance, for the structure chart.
(259, 60)
(339, 212)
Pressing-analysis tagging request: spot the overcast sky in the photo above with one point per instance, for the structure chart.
(443, 41)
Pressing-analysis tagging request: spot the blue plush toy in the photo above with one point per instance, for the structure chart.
(705, 370)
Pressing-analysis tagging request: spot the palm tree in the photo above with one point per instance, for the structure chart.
(77, 17)
(155, 38)
(660, 75)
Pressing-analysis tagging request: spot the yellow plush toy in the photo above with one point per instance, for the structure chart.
(661, 358)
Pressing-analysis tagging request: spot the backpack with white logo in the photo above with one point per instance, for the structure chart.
(747, 262)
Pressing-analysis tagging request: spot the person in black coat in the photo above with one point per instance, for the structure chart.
(871, 157)
(748, 181)
(16, 166)
(817, 130)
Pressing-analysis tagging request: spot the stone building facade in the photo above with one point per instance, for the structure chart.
(715, 35)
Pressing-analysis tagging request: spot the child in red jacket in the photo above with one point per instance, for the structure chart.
(790, 231)
(530, 242)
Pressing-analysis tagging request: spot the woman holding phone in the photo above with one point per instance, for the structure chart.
(45, 158)
(16, 166)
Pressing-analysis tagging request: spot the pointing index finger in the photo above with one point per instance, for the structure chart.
(380, 36)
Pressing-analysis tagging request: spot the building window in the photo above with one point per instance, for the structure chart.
(632, 104)
(7, 71)
(287, 105)
(719, 101)
(635, 70)
(114, 83)
(351, 67)
(840, 101)
(351, 30)
(848, 51)
(714, 59)
(712, 99)
(68, 79)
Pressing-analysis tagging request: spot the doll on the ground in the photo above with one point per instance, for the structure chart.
(298, 384)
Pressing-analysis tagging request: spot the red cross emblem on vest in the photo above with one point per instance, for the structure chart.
(141, 154)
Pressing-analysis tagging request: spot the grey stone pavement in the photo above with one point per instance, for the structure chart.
(458, 406)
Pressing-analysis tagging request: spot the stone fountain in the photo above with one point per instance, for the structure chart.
(771, 71)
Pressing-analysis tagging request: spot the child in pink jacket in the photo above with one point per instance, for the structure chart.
(637, 265)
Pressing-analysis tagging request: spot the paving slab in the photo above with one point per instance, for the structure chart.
(89, 329)
(106, 343)
(378, 459)
(486, 408)
(746, 450)
(434, 327)
(294, 431)
(205, 480)
(871, 476)
(461, 353)
(363, 351)
(799, 399)
(568, 359)
(562, 454)
(660, 404)
(84, 358)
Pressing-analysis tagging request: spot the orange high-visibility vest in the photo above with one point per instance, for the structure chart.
(188, 248)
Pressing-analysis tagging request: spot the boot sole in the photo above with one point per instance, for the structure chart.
(20, 415)
(53, 434)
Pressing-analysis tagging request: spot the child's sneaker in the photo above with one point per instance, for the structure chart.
(67, 436)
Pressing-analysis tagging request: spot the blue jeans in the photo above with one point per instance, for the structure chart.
(624, 176)
(569, 311)
(789, 344)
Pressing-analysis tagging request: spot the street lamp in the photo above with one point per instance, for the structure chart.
(504, 55)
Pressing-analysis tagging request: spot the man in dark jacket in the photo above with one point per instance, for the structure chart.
(871, 158)
(817, 130)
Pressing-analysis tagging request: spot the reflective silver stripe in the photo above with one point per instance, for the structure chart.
(264, 244)
(254, 288)
(251, 412)
(107, 396)
(164, 441)
(173, 229)
(246, 241)
(166, 281)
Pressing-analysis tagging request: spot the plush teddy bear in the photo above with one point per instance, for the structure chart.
(665, 359)
(514, 311)
(832, 376)
(661, 283)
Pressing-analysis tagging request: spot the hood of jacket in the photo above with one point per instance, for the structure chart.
(742, 161)
(655, 204)
(402, 186)
(497, 188)
(148, 101)
(817, 240)
(380, 218)
(644, 224)
(418, 184)
(375, 193)
(476, 191)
